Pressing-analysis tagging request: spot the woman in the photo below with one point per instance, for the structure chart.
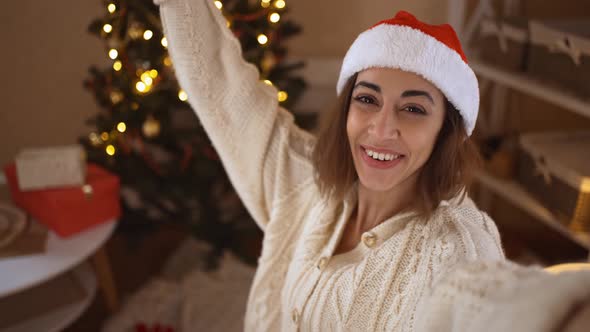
(362, 223)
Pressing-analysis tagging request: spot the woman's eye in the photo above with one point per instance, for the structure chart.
(416, 110)
(365, 99)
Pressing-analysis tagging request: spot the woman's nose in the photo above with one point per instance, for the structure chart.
(385, 124)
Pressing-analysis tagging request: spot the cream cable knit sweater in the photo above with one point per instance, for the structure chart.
(299, 283)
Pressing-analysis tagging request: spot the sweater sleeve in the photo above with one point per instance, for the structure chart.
(263, 152)
(501, 296)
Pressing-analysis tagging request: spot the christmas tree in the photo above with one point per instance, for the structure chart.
(146, 132)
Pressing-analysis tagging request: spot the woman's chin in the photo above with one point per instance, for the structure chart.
(376, 184)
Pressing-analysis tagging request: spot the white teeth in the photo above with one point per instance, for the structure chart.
(382, 156)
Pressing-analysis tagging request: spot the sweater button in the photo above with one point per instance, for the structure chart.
(322, 263)
(295, 316)
(369, 239)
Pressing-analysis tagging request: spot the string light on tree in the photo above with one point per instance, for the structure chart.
(218, 4)
(280, 4)
(104, 136)
(147, 78)
(262, 39)
(111, 8)
(121, 127)
(282, 96)
(164, 42)
(151, 127)
(110, 150)
(142, 87)
(117, 65)
(268, 82)
(265, 3)
(167, 61)
(107, 28)
(274, 17)
(153, 73)
(148, 34)
(113, 54)
(182, 95)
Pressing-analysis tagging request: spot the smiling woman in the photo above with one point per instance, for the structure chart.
(367, 227)
(416, 137)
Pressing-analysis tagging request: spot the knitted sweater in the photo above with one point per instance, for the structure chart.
(300, 284)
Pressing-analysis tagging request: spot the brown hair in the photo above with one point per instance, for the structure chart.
(447, 171)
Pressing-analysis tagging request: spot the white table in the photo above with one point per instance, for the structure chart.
(22, 272)
(60, 318)
(61, 255)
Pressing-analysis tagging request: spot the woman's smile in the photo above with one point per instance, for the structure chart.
(380, 158)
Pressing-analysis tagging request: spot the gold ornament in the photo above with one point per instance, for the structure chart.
(135, 31)
(116, 96)
(94, 139)
(268, 61)
(151, 127)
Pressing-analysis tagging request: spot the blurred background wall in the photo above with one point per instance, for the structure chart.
(46, 52)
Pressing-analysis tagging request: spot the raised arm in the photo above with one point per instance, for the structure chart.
(262, 151)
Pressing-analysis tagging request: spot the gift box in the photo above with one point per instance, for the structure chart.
(52, 167)
(504, 42)
(73, 209)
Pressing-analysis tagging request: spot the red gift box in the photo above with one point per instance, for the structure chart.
(70, 210)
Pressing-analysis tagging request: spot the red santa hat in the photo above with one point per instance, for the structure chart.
(431, 51)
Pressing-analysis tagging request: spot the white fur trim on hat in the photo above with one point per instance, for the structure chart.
(409, 49)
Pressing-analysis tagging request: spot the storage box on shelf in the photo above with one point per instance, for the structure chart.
(504, 42)
(560, 53)
(554, 167)
(554, 91)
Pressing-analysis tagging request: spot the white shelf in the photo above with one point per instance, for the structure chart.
(516, 194)
(61, 317)
(523, 83)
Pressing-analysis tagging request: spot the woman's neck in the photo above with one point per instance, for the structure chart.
(374, 207)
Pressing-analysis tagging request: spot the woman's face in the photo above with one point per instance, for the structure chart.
(393, 122)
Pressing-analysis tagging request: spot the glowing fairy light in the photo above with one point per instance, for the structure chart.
(113, 54)
(148, 34)
(262, 39)
(182, 95)
(107, 28)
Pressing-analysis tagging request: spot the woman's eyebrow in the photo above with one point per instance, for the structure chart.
(413, 93)
(371, 86)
